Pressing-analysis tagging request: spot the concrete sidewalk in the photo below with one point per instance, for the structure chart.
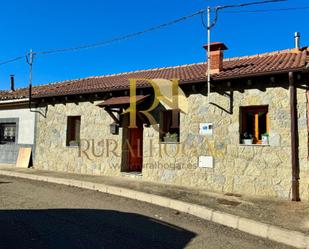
(282, 221)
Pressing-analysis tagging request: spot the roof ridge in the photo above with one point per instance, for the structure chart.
(123, 73)
(260, 55)
(148, 70)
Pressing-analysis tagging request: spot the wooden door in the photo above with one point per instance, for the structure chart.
(135, 151)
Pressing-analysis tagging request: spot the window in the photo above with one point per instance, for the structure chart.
(169, 126)
(7, 133)
(254, 123)
(73, 131)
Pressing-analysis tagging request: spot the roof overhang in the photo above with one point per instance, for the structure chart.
(122, 101)
(14, 102)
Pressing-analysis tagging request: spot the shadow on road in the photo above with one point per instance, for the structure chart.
(87, 228)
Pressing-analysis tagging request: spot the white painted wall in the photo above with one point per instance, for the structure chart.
(26, 123)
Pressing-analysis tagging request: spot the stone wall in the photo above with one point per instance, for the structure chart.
(256, 170)
(52, 152)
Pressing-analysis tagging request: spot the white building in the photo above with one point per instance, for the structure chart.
(17, 124)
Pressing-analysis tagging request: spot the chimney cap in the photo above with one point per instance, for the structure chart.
(297, 40)
(214, 46)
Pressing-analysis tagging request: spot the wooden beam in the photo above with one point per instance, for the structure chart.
(115, 110)
(65, 100)
(112, 115)
(53, 102)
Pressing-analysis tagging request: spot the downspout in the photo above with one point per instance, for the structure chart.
(294, 138)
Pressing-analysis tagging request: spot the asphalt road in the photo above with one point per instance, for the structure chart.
(40, 215)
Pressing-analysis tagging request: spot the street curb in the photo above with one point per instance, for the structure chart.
(266, 231)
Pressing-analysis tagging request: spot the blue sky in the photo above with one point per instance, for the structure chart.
(43, 25)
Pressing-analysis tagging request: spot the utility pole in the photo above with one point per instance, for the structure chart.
(30, 62)
(210, 25)
(208, 53)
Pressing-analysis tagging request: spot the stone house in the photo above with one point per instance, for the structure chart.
(17, 123)
(248, 134)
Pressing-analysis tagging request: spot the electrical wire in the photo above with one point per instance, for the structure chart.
(124, 37)
(107, 42)
(248, 4)
(12, 60)
(132, 35)
(161, 26)
(218, 8)
(267, 10)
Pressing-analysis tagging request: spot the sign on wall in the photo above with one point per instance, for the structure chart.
(206, 162)
(206, 129)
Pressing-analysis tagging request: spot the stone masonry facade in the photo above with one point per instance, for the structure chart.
(255, 170)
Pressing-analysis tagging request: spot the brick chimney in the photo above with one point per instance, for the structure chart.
(216, 56)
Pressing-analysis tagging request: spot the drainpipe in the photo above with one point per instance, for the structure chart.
(294, 139)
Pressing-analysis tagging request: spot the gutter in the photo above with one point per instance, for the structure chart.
(14, 101)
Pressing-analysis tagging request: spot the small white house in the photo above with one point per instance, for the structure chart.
(17, 124)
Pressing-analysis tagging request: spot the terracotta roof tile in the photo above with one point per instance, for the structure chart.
(21, 93)
(268, 63)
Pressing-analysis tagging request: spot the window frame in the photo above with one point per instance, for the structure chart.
(3, 142)
(71, 129)
(256, 109)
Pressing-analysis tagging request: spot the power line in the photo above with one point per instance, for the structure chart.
(132, 35)
(247, 4)
(268, 10)
(210, 25)
(12, 60)
(124, 37)
(218, 8)
(107, 42)
(161, 26)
